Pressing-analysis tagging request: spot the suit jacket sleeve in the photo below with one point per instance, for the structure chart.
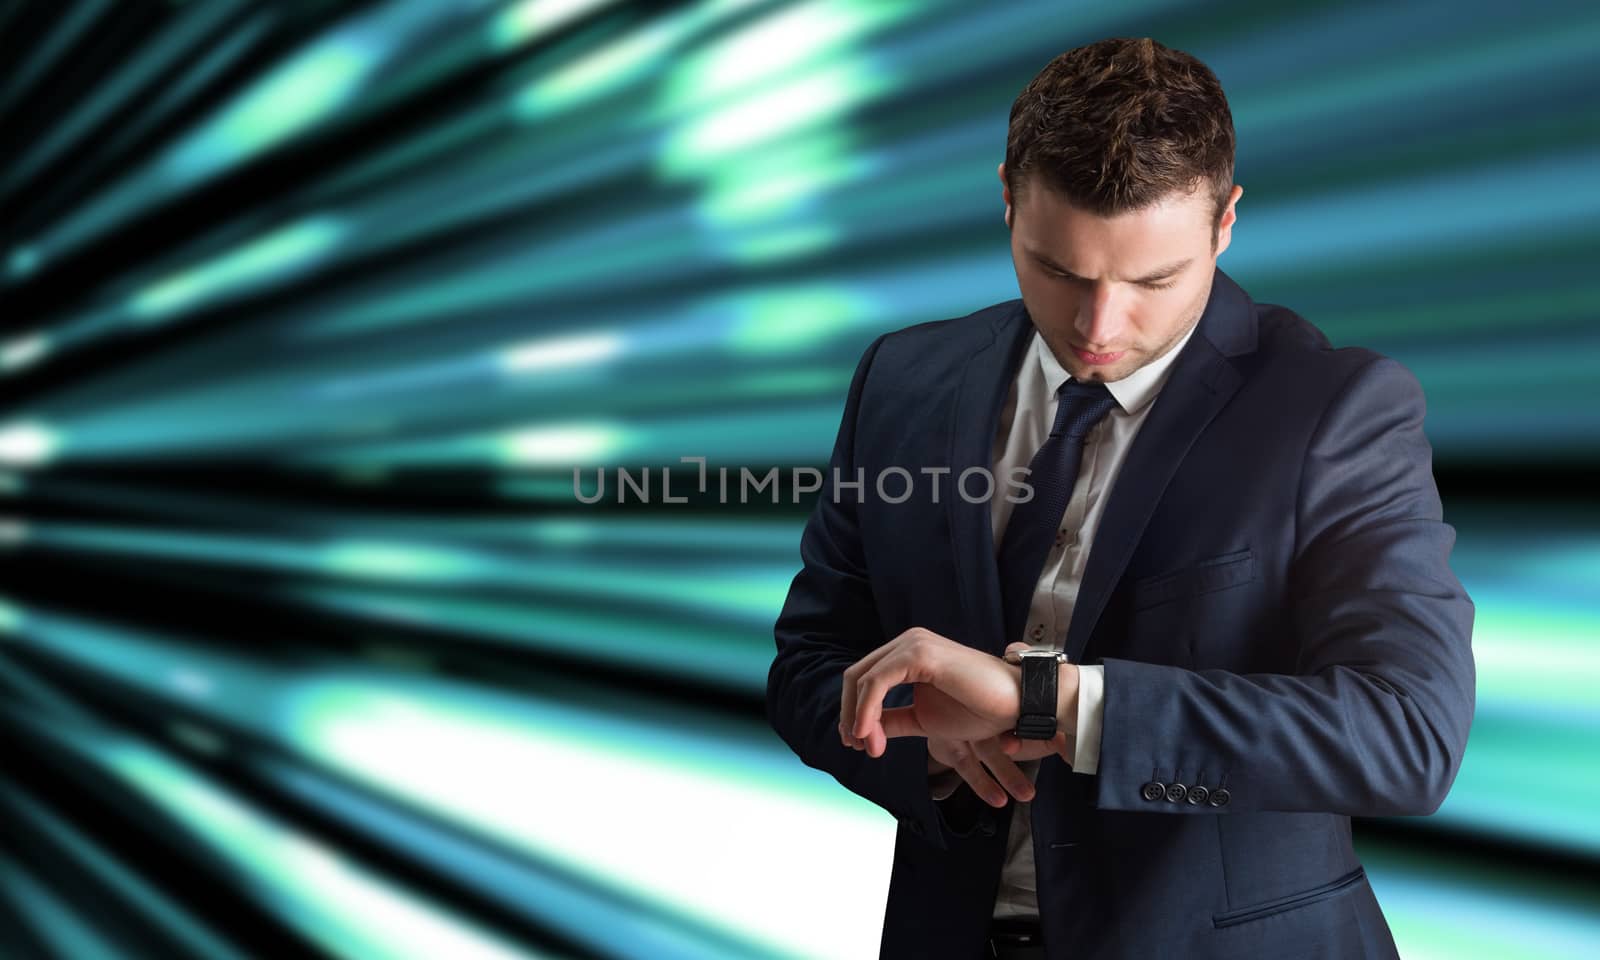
(828, 622)
(1374, 719)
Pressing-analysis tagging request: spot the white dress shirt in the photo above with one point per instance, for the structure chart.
(1025, 422)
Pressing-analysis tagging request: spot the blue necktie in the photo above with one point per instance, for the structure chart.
(1052, 473)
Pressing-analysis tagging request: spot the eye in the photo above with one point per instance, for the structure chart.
(1160, 286)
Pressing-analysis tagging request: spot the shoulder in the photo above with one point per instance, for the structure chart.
(1294, 356)
(935, 349)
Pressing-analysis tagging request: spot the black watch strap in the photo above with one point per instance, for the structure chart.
(1037, 720)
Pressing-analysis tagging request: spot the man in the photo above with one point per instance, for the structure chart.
(1230, 529)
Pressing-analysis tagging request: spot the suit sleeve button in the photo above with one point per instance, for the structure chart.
(1219, 797)
(1176, 792)
(1154, 790)
(1197, 794)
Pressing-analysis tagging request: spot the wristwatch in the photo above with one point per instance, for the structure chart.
(1040, 669)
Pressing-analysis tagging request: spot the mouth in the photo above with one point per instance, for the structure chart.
(1098, 358)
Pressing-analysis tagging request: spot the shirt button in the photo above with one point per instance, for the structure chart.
(1038, 631)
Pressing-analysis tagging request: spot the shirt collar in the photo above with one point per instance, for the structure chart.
(1132, 392)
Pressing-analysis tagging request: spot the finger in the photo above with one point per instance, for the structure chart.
(900, 722)
(889, 672)
(848, 691)
(870, 691)
(1007, 773)
(909, 641)
(915, 659)
(847, 698)
(1017, 645)
(979, 780)
(847, 703)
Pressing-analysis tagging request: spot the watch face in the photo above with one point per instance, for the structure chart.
(1042, 653)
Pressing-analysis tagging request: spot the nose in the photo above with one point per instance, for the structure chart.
(1101, 319)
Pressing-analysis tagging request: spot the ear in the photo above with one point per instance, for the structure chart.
(1005, 193)
(1225, 225)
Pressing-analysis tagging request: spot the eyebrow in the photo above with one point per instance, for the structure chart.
(1160, 273)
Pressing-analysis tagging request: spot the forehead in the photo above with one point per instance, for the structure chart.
(1125, 245)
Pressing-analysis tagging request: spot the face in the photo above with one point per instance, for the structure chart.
(1110, 295)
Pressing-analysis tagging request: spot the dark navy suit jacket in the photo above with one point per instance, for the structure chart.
(1269, 590)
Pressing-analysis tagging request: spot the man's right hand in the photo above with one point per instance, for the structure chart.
(969, 758)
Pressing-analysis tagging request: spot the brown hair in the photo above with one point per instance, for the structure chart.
(1119, 124)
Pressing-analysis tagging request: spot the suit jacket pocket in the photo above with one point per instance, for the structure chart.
(1215, 573)
(1294, 901)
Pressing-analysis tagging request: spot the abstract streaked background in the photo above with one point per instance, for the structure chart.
(307, 647)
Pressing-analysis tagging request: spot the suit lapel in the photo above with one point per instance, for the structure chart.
(985, 382)
(1200, 382)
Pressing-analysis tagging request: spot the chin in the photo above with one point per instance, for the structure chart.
(1104, 374)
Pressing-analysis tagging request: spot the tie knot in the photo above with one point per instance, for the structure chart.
(1080, 406)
